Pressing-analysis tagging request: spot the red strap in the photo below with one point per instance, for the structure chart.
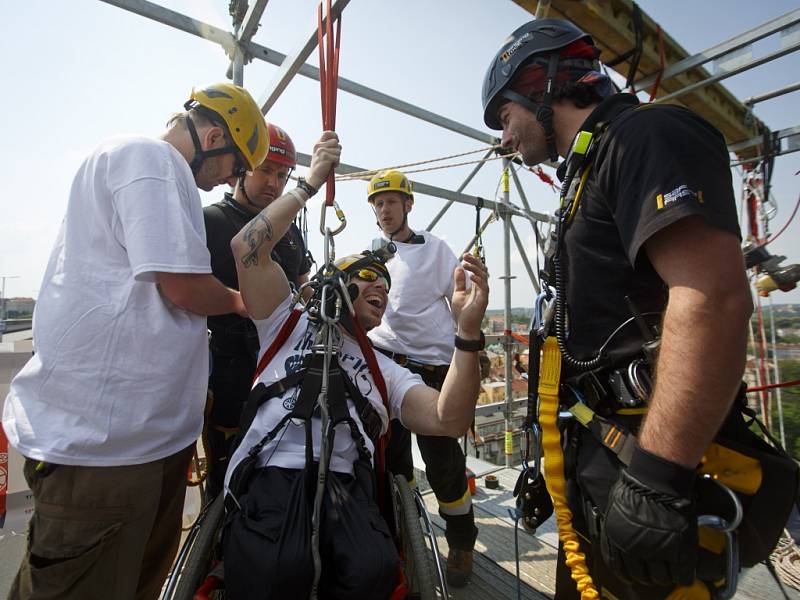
(328, 79)
(401, 589)
(372, 362)
(282, 336)
(539, 172)
(775, 385)
(519, 337)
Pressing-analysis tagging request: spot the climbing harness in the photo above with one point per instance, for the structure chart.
(731, 535)
(635, 53)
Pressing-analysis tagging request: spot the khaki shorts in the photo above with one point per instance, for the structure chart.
(102, 532)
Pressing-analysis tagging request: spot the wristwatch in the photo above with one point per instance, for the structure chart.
(306, 187)
(471, 345)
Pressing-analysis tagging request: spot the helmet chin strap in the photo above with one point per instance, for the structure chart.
(543, 111)
(246, 196)
(201, 155)
(399, 229)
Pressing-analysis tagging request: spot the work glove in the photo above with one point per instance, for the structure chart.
(649, 534)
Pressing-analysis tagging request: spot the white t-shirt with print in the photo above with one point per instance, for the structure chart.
(288, 449)
(119, 374)
(417, 321)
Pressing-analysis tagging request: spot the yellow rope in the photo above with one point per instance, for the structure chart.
(549, 380)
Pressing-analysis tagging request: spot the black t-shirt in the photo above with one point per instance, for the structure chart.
(654, 165)
(223, 220)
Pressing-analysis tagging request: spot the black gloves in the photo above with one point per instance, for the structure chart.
(649, 534)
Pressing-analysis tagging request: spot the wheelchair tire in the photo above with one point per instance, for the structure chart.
(198, 562)
(419, 575)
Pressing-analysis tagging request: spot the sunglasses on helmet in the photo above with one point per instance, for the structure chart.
(371, 276)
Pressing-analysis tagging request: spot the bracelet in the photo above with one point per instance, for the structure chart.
(470, 345)
(306, 187)
(296, 195)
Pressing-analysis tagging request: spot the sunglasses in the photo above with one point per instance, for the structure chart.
(371, 276)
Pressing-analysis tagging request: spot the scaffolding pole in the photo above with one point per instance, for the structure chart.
(524, 257)
(507, 339)
(539, 238)
(777, 372)
(460, 189)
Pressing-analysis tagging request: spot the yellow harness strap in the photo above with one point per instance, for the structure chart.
(549, 380)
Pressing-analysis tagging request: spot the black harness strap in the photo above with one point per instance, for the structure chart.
(635, 53)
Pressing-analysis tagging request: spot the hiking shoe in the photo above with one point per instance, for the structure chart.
(459, 567)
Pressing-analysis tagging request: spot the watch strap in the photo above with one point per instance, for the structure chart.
(470, 345)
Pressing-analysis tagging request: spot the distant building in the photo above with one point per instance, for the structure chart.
(490, 436)
(16, 307)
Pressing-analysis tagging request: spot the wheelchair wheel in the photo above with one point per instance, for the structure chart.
(197, 563)
(414, 552)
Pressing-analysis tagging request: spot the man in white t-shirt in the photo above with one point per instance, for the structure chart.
(417, 332)
(272, 474)
(107, 410)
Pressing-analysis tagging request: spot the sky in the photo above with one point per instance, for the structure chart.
(81, 71)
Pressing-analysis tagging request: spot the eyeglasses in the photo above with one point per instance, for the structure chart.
(371, 276)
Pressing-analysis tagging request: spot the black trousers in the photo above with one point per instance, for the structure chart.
(230, 382)
(445, 467)
(267, 544)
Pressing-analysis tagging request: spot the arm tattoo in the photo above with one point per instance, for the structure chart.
(256, 232)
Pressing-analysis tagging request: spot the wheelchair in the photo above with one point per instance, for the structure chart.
(197, 573)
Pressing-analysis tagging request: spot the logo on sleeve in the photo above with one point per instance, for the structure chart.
(682, 192)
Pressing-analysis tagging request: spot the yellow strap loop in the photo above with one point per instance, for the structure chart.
(549, 379)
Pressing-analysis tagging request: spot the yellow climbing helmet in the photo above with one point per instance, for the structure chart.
(241, 115)
(388, 181)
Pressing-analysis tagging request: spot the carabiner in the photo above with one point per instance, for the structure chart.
(339, 214)
(728, 529)
(544, 310)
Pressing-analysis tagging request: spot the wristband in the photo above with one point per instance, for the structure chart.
(470, 345)
(306, 187)
(661, 474)
(296, 195)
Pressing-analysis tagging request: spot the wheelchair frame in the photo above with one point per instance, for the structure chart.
(193, 576)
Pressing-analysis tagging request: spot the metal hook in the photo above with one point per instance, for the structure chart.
(339, 214)
(728, 528)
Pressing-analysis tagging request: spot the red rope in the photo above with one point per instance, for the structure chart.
(794, 212)
(519, 337)
(752, 216)
(774, 385)
(328, 79)
(661, 61)
(539, 172)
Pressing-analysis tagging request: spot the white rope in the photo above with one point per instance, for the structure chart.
(369, 173)
(786, 560)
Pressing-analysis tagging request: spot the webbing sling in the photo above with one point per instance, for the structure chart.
(380, 454)
(283, 335)
(549, 382)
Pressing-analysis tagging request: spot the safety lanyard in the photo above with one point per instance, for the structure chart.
(328, 79)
